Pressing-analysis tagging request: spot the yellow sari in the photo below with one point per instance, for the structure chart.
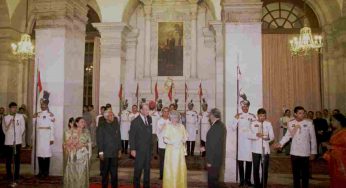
(175, 171)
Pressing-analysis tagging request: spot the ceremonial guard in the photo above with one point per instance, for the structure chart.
(303, 146)
(134, 113)
(13, 127)
(155, 116)
(125, 122)
(243, 121)
(205, 124)
(192, 128)
(44, 121)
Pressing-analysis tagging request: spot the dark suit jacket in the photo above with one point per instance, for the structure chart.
(215, 144)
(140, 135)
(109, 138)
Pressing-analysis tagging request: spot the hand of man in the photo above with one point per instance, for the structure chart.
(101, 157)
(133, 153)
(35, 115)
(208, 165)
(119, 154)
(237, 116)
(202, 149)
(259, 135)
(312, 157)
(51, 142)
(277, 146)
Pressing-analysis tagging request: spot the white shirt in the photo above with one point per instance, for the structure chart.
(256, 127)
(145, 119)
(303, 138)
(159, 131)
(19, 122)
(133, 116)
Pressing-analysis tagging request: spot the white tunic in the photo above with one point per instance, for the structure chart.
(205, 125)
(256, 127)
(9, 132)
(155, 116)
(44, 133)
(192, 125)
(303, 138)
(125, 123)
(244, 143)
(159, 131)
(133, 116)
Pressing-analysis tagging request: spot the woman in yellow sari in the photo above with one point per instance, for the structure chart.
(175, 136)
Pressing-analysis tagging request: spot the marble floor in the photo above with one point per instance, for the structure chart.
(277, 177)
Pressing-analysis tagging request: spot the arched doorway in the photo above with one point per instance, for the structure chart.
(288, 81)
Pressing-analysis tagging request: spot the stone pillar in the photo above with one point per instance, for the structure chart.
(193, 13)
(112, 56)
(60, 45)
(147, 32)
(130, 64)
(243, 39)
(217, 28)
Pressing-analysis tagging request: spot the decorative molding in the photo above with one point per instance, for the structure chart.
(242, 12)
(63, 13)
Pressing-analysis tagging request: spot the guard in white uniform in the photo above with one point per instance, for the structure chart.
(155, 116)
(261, 134)
(13, 127)
(161, 124)
(125, 123)
(205, 124)
(44, 136)
(243, 122)
(303, 146)
(192, 128)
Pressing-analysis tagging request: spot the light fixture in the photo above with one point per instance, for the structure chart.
(89, 69)
(24, 49)
(305, 43)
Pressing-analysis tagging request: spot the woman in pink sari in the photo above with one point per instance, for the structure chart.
(336, 155)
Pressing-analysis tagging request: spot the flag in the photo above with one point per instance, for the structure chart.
(120, 93)
(170, 93)
(200, 91)
(186, 93)
(137, 90)
(156, 92)
(39, 83)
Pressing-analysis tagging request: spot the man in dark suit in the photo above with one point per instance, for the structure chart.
(109, 146)
(214, 153)
(140, 144)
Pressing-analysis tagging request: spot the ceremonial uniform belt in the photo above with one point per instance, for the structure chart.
(44, 128)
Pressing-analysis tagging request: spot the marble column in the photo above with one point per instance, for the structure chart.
(217, 28)
(60, 46)
(112, 57)
(130, 64)
(193, 15)
(147, 32)
(243, 39)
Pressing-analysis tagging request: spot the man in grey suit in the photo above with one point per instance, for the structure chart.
(214, 153)
(109, 146)
(140, 144)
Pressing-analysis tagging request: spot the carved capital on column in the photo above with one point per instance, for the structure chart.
(61, 13)
(243, 11)
(209, 37)
(147, 8)
(216, 27)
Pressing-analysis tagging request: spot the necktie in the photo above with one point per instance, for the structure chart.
(146, 121)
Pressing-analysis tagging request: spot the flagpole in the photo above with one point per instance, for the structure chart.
(137, 93)
(237, 166)
(35, 127)
(200, 112)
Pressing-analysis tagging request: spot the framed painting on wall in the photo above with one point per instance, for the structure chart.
(170, 48)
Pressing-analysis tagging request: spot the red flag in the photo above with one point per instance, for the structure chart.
(39, 83)
(120, 94)
(200, 91)
(137, 90)
(170, 93)
(156, 92)
(186, 94)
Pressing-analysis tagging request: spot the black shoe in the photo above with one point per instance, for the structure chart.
(241, 184)
(248, 183)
